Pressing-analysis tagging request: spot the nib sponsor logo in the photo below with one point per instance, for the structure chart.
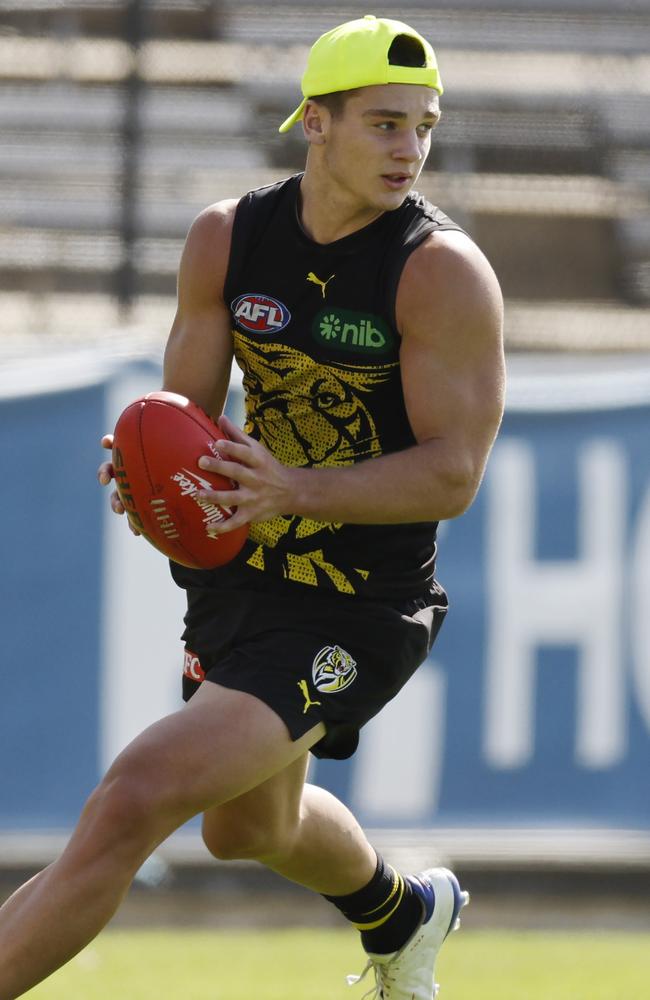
(352, 331)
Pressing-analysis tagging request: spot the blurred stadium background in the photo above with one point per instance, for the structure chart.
(119, 122)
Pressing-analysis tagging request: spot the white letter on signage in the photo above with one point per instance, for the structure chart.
(571, 602)
(410, 728)
(640, 610)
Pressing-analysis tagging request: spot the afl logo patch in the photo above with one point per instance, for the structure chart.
(260, 313)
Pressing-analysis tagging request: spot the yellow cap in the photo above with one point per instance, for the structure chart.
(356, 55)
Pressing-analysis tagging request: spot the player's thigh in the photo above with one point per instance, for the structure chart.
(260, 822)
(220, 746)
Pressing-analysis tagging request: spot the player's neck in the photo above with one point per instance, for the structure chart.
(327, 213)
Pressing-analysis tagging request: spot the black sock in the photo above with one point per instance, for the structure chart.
(386, 911)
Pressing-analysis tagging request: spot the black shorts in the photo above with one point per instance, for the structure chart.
(309, 656)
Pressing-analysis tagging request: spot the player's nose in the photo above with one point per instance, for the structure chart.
(409, 147)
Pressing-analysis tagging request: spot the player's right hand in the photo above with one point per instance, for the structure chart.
(105, 475)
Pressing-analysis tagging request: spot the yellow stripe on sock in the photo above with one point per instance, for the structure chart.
(398, 886)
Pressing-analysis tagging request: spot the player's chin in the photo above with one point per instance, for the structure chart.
(392, 197)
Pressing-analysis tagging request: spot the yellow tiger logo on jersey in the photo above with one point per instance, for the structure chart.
(308, 415)
(333, 670)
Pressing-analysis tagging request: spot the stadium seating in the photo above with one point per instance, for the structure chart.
(543, 153)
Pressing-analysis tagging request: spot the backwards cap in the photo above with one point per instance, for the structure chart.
(356, 55)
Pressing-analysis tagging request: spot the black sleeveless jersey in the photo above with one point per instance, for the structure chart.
(316, 339)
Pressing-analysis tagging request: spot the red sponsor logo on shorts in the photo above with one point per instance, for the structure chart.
(192, 666)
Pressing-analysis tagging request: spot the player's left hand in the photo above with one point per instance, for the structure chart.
(105, 476)
(265, 487)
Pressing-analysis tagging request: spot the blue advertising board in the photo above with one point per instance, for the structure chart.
(533, 708)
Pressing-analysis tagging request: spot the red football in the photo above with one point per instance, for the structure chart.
(157, 443)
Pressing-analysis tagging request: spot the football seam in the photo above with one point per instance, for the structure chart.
(202, 426)
(181, 545)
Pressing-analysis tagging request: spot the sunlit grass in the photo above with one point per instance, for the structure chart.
(311, 965)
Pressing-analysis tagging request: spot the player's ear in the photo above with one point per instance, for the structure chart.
(315, 122)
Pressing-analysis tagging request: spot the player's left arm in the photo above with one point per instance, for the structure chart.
(450, 315)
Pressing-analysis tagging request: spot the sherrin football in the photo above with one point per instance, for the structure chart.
(157, 443)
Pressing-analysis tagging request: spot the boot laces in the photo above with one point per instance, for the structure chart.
(382, 978)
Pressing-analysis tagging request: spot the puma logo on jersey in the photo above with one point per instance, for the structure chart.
(317, 281)
(304, 688)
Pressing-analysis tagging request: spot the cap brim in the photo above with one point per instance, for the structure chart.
(292, 119)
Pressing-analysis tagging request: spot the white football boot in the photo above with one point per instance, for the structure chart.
(408, 974)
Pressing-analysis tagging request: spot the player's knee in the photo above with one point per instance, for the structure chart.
(129, 809)
(230, 841)
(246, 839)
(119, 807)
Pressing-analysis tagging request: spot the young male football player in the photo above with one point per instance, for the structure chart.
(368, 329)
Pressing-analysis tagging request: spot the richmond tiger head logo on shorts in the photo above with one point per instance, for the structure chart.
(333, 670)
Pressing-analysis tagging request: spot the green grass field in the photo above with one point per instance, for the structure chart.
(312, 964)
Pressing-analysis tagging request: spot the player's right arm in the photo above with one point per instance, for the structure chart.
(198, 355)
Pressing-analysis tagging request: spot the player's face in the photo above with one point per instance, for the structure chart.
(375, 151)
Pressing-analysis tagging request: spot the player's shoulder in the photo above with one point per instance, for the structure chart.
(448, 283)
(450, 254)
(214, 221)
(209, 238)
(215, 224)
(449, 269)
